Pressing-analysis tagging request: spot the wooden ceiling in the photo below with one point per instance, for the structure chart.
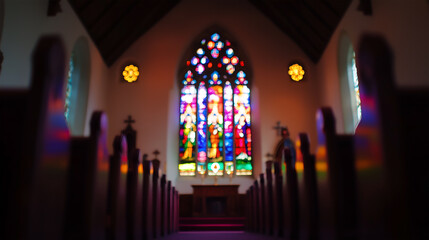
(115, 24)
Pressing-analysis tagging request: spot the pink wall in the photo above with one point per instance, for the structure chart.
(153, 100)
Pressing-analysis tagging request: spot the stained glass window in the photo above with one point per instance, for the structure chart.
(67, 101)
(215, 113)
(355, 92)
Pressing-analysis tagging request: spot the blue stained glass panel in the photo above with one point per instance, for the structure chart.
(202, 129)
(229, 127)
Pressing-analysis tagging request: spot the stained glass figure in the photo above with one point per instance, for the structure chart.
(202, 129)
(215, 127)
(242, 131)
(188, 109)
(229, 127)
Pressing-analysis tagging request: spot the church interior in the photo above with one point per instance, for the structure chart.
(186, 119)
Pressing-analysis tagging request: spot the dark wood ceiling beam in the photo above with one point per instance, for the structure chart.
(283, 22)
(142, 17)
(325, 12)
(79, 4)
(95, 11)
(111, 17)
(338, 6)
(302, 27)
(316, 17)
(296, 11)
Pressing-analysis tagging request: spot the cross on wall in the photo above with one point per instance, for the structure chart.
(278, 128)
(129, 120)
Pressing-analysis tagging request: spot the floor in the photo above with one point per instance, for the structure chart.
(218, 235)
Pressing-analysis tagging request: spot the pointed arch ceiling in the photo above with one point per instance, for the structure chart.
(114, 25)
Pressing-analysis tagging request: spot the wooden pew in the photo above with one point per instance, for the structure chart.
(336, 180)
(292, 196)
(156, 196)
(278, 201)
(134, 183)
(164, 206)
(257, 197)
(392, 149)
(176, 212)
(270, 206)
(116, 196)
(262, 199)
(308, 194)
(34, 141)
(134, 197)
(86, 216)
(169, 208)
(252, 209)
(246, 211)
(147, 223)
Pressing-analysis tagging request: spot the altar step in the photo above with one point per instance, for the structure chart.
(211, 223)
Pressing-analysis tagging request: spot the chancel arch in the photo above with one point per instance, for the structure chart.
(215, 133)
(349, 84)
(77, 87)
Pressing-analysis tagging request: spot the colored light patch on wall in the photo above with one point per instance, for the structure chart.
(242, 130)
(202, 129)
(215, 126)
(187, 132)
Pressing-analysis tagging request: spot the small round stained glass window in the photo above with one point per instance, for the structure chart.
(296, 72)
(130, 73)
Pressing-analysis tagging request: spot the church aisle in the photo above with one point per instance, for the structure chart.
(216, 235)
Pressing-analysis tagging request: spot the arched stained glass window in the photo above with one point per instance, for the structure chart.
(349, 85)
(69, 86)
(215, 115)
(354, 91)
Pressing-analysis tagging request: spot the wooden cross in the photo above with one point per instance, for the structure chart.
(129, 120)
(156, 152)
(278, 128)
